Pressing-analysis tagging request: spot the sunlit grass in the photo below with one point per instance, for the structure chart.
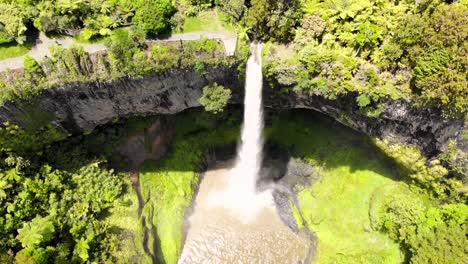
(209, 20)
(12, 50)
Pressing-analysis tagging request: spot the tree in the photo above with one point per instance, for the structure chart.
(12, 23)
(235, 8)
(81, 249)
(274, 20)
(153, 16)
(215, 98)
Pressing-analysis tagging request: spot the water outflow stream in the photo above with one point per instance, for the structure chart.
(232, 222)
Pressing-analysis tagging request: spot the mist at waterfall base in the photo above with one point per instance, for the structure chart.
(240, 195)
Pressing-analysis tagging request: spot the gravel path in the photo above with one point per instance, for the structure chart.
(41, 48)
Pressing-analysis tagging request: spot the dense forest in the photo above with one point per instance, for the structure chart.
(55, 193)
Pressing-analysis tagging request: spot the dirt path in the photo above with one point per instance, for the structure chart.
(41, 48)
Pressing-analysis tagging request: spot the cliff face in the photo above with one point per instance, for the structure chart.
(400, 122)
(81, 107)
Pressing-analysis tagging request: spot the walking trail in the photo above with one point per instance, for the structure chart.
(40, 50)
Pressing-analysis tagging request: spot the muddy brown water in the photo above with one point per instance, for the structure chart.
(218, 235)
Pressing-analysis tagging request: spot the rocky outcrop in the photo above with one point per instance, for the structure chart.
(80, 107)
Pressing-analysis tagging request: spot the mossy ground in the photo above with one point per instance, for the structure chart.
(336, 207)
(124, 219)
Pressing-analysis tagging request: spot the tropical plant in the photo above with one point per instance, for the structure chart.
(215, 98)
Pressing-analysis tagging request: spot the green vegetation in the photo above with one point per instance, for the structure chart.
(362, 196)
(273, 20)
(60, 201)
(382, 49)
(153, 16)
(127, 54)
(215, 98)
(52, 204)
(336, 208)
(12, 50)
(206, 20)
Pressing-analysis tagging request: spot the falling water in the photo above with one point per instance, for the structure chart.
(250, 152)
(243, 176)
(240, 195)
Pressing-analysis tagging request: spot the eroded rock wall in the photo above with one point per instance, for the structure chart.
(400, 122)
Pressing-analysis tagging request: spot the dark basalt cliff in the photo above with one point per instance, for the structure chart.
(400, 122)
(81, 107)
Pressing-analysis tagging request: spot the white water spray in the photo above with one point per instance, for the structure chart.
(248, 163)
(240, 195)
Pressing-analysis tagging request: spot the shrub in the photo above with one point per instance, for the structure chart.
(413, 164)
(363, 100)
(153, 16)
(31, 64)
(215, 98)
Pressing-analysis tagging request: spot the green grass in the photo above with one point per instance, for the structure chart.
(12, 50)
(209, 20)
(95, 40)
(168, 185)
(336, 207)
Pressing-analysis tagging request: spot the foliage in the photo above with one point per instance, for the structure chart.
(273, 20)
(429, 234)
(428, 230)
(13, 21)
(416, 50)
(235, 8)
(127, 54)
(35, 232)
(431, 174)
(153, 15)
(48, 213)
(457, 161)
(215, 98)
(30, 64)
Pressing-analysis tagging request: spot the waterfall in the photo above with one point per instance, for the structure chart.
(248, 163)
(240, 195)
